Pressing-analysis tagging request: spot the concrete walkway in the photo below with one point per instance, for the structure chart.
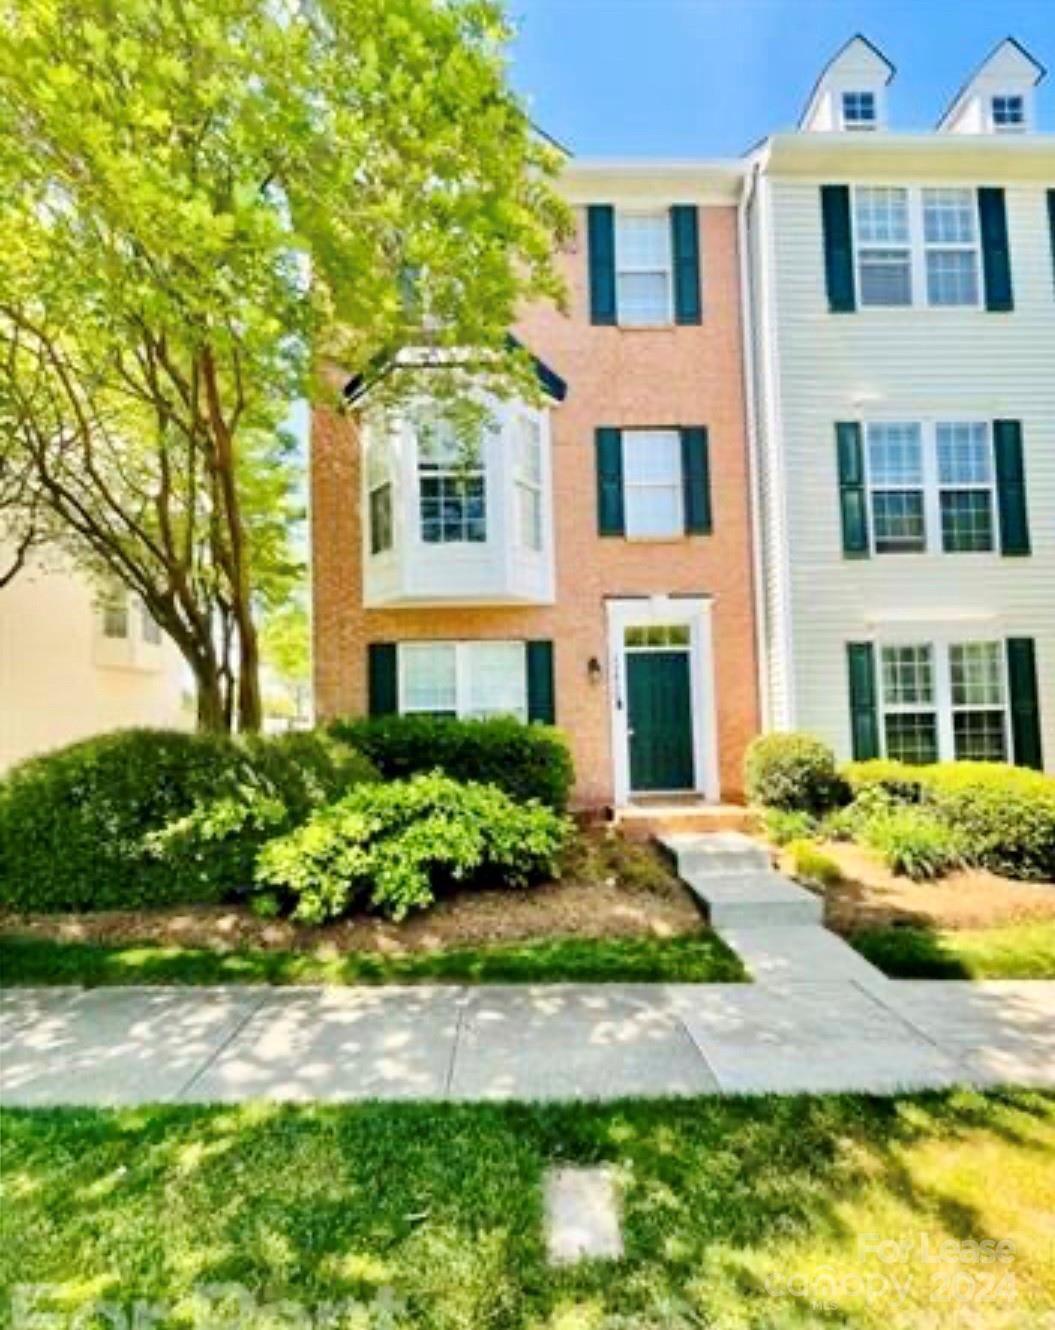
(817, 1018)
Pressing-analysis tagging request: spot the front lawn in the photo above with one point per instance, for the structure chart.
(696, 958)
(1018, 951)
(746, 1214)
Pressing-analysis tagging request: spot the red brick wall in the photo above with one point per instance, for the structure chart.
(616, 376)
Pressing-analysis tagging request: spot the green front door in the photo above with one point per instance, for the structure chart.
(659, 717)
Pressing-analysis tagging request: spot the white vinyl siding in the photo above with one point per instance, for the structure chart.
(471, 680)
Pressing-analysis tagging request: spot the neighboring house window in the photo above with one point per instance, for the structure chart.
(452, 489)
(149, 627)
(470, 680)
(643, 268)
(944, 701)
(527, 471)
(115, 615)
(379, 490)
(859, 110)
(652, 483)
(1009, 113)
(884, 248)
(950, 238)
(931, 487)
(916, 244)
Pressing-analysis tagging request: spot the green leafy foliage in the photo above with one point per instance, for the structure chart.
(526, 761)
(783, 825)
(793, 771)
(155, 817)
(394, 847)
(914, 842)
(812, 864)
(897, 779)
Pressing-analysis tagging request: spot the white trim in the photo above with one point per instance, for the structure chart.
(695, 611)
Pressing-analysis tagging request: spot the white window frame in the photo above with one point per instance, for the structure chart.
(447, 471)
(931, 485)
(855, 126)
(1018, 127)
(379, 477)
(622, 266)
(917, 247)
(942, 704)
(462, 675)
(525, 483)
(117, 604)
(677, 483)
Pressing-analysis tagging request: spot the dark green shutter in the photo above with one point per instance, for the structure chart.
(853, 503)
(1025, 710)
(864, 716)
(696, 480)
(838, 248)
(685, 246)
(600, 238)
(1051, 229)
(1011, 487)
(610, 519)
(541, 700)
(996, 253)
(381, 678)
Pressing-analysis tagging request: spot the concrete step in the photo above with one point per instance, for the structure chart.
(723, 852)
(648, 820)
(759, 899)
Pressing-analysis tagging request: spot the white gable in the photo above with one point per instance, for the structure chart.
(999, 97)
(855, 79)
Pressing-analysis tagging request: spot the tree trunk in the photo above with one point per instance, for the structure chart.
(211, 718)
(250, 707)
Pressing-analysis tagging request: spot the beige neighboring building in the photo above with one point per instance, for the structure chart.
(73, 664)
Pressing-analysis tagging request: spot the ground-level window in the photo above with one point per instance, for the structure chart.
(470, 680)
(944, 700)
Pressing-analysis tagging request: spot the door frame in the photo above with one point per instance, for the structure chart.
(648, 612)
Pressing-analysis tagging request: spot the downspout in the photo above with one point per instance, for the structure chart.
(754, 462)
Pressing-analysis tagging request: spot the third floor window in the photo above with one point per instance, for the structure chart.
(916, 246)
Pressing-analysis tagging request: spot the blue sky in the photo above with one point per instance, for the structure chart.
(706, 78)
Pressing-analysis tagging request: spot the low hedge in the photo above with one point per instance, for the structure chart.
(792, 771)
(526, 761)
(155, 817)
(394, 847)
(1003, 816)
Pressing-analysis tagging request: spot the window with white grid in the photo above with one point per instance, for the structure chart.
(1008, 112)
(965, 486)
(652, 492)
(883, 239)
(452, 487)
(527, 475)
(470, 680)
(859, 110)
(910, 717)
(896, 487)
(950, 239)
(643, 268)
(114, 613)
(979, 701)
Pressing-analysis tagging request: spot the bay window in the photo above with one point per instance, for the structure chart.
(470, 680)
(379, 495)
(452, 488)
(527, 478)
(942, 701)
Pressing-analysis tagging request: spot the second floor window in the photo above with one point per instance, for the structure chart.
(916, 246)
(931, 486)
(527, 466)
(652, 483)
(643, 268)
(452, 488)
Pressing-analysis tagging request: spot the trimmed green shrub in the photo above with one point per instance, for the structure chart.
(526, 761)
(914, 842)
(793, 771)
(394, 847)
(155, 817)
(812, 864)
(901, 781)
(783, 825)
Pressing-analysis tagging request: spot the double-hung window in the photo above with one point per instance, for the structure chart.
(527, 478)
(644, 287)
(652, 483)
(114, 614)
(950, 240)
(931, 486)
(379, 495)
(884, 245)
(1008, 112)
(859, 110)
(452, 488)
(944, 700)
(470, 680)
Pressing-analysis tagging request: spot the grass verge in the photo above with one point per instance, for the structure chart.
(753, 1213)
(1015, 951)
(692, 958)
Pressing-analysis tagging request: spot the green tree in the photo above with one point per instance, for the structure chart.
(203, 201)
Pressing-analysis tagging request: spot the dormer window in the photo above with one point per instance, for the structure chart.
(859, 110)
(1008, 113)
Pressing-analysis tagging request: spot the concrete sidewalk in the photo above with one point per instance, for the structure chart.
(131, 1046)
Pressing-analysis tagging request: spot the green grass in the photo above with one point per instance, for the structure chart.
(694, 958)
(1016, 951)
(752, 1214)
